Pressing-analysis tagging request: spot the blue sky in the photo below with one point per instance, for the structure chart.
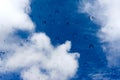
(59, 40)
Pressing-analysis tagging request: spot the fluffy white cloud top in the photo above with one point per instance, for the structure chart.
(37, 58)
(106, 13)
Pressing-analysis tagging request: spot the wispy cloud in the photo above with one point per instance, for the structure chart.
(37, 58)
(107, 14)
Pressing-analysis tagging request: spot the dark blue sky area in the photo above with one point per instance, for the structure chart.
(60, 20)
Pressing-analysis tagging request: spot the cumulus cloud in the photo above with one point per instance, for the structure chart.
(107, 14)
(36, 58)
(42, 61)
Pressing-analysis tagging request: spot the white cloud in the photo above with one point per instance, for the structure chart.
(58, 63)
(37, 59)
(16, 16)
(107, 14)
(13, 15)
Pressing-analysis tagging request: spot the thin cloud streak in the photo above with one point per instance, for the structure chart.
(106, 13)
